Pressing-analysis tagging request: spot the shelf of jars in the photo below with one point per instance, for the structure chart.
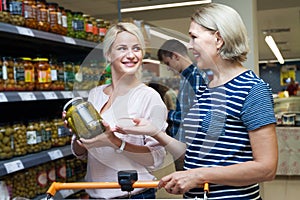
(12, 30)
(40, 95)
(33, 159)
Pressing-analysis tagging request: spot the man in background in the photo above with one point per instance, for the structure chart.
(174, 54)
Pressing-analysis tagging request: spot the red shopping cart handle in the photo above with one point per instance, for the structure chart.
(55, 186)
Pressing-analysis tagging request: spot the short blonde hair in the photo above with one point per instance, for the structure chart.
(112, 33)
(228, 23)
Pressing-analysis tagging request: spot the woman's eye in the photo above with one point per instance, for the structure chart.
(137, 48)
(122, 48)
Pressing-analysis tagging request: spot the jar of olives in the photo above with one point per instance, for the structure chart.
(6, 141)
(60, 169)
(69, 75)
(20, 139)
(4, 12)
(43, 74)
(29, 13)
(41, 179)
(78, 25)
(19, 74)
(42, 16)
(88, 27)
(30, 180)
(16, 10)
(8, 73)
(34, 137)
(29, 73)
(59, 133)
(70, 31)
(46, 132)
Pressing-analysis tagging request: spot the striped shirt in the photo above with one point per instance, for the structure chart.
(191, 79)
(217, 128)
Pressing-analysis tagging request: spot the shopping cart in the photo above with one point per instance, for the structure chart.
(127, 181)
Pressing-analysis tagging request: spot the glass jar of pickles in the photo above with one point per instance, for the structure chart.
(42, 16)
(43, 74)
(20, 139)
(29, 13)
(29, 73)
(6, 142)
(83, 118)
(70, 31)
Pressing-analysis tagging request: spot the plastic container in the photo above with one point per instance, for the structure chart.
(83, 118)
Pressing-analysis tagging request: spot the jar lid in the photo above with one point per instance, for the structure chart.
(72, 102)
(26, 58)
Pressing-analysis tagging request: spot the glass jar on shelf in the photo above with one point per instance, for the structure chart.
(29, 73)
(8, 73)
(101, 29)
(69, 75)
(34, 137)
(42, 16)
(46, 132)
(43, 74)
(53, 19)
(4, 12)
(70, 31)
(29, 13)
(88, 27)
(59, 133)
(19, 74)
(20, 139)
(64, 23)
(6, 141)
(16, 10)
(78, 25)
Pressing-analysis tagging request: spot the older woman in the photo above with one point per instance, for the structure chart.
(230, 130)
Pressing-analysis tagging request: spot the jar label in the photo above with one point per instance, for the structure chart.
(29, 76)
(42, 179)
(15, 7)
(19, 74)
(32, 137)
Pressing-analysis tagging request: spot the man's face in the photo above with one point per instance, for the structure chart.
(171, 62)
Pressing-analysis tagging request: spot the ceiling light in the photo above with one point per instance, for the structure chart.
(270, 41)
(160, 6)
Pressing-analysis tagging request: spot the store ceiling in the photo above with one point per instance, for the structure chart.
(281, 17)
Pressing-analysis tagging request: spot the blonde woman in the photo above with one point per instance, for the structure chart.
(125, 98)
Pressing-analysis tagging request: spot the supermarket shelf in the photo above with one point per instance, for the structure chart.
(40, 95)
(24, 162)
(23, 31)
(22, 41)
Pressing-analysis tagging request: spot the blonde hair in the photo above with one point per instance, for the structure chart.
(112, 33)
(228, 23)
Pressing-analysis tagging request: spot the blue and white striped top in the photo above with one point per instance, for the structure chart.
(217, 126)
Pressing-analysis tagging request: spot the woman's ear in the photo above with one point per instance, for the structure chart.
(218, 39)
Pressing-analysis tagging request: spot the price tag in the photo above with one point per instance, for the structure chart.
(3, 98)
(13, 166)
(66, 193)
(69, 40)
(67, 94)
(55, 154)
(27, 96)
(83, 93)
(25, 31)
(50, 95)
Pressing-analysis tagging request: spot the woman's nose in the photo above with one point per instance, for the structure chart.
(130, 54)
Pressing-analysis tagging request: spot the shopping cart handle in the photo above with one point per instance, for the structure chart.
(55, 186)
